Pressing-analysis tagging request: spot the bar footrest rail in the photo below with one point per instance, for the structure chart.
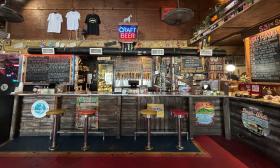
(159, 133)
(81, 132)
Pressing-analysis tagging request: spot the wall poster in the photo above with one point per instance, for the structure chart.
(204, 113)
(84, 103)
(255, 121)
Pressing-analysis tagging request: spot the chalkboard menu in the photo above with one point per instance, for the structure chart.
(48, 69)
(191, 62)
(265, 56)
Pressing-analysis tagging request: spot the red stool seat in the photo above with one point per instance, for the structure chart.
(87, 112)
(179, 112)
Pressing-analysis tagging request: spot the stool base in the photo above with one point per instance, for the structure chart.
(180, 147)
(52, 148)
(149, 148)
(85, 148)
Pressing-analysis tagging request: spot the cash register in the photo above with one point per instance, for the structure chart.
(133, 89)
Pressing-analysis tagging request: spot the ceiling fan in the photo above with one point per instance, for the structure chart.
(9, 14)
(178, 15)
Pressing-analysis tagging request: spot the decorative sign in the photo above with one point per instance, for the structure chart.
(262, 27)
(48, 51)
(204, 113)
(255, 121)
(104, 59)
(95, 51)
(157, 52)
(86, 103)
(128, 32)
(40, 108)
(206, 52)
(159, 108)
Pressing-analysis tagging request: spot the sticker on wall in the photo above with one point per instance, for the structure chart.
(40, 108)
(204, 113)
(255, 121)
(86, 103)
(159, 108)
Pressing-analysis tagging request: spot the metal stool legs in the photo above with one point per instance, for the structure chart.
(149, 147)
(52, 146)
(179, 146)
(85, 146)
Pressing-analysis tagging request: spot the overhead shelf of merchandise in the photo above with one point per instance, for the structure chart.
(227, 29)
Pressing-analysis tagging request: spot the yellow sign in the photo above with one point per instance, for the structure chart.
(159, 108)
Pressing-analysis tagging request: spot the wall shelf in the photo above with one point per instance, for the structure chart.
(237, 21)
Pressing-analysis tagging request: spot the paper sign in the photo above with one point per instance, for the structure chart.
(159, 108)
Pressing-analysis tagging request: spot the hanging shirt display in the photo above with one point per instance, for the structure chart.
(92, 21)
(54, 22)
(73, 18)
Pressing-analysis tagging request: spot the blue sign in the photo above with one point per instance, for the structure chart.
(128, 33)
(40, 108)
(255, 121)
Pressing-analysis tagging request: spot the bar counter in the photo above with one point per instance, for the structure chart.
(119, 113)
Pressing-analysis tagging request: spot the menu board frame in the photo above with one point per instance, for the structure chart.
(247, 42)
(71, 68)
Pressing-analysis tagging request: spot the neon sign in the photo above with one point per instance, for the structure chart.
(127, 32)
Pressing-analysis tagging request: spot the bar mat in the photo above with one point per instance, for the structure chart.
(111, 145)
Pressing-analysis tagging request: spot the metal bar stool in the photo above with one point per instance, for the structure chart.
(86, 114)
(179, 114)
(147, 113)
(55, 114)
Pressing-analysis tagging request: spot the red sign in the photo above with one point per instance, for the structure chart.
(128, 32)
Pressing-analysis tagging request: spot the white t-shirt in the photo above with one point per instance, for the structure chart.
(55, 20)
(73, 18)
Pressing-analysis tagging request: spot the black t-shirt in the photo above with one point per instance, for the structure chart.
(92, 21)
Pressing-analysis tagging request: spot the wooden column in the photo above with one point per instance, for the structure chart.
(191, 116)
(14, 117)
(226, 118)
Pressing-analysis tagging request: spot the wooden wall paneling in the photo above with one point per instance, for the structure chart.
(109, 111)
(31, 126)
(269, 144)
(129, 115)
(168, 123)
(68, 119)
